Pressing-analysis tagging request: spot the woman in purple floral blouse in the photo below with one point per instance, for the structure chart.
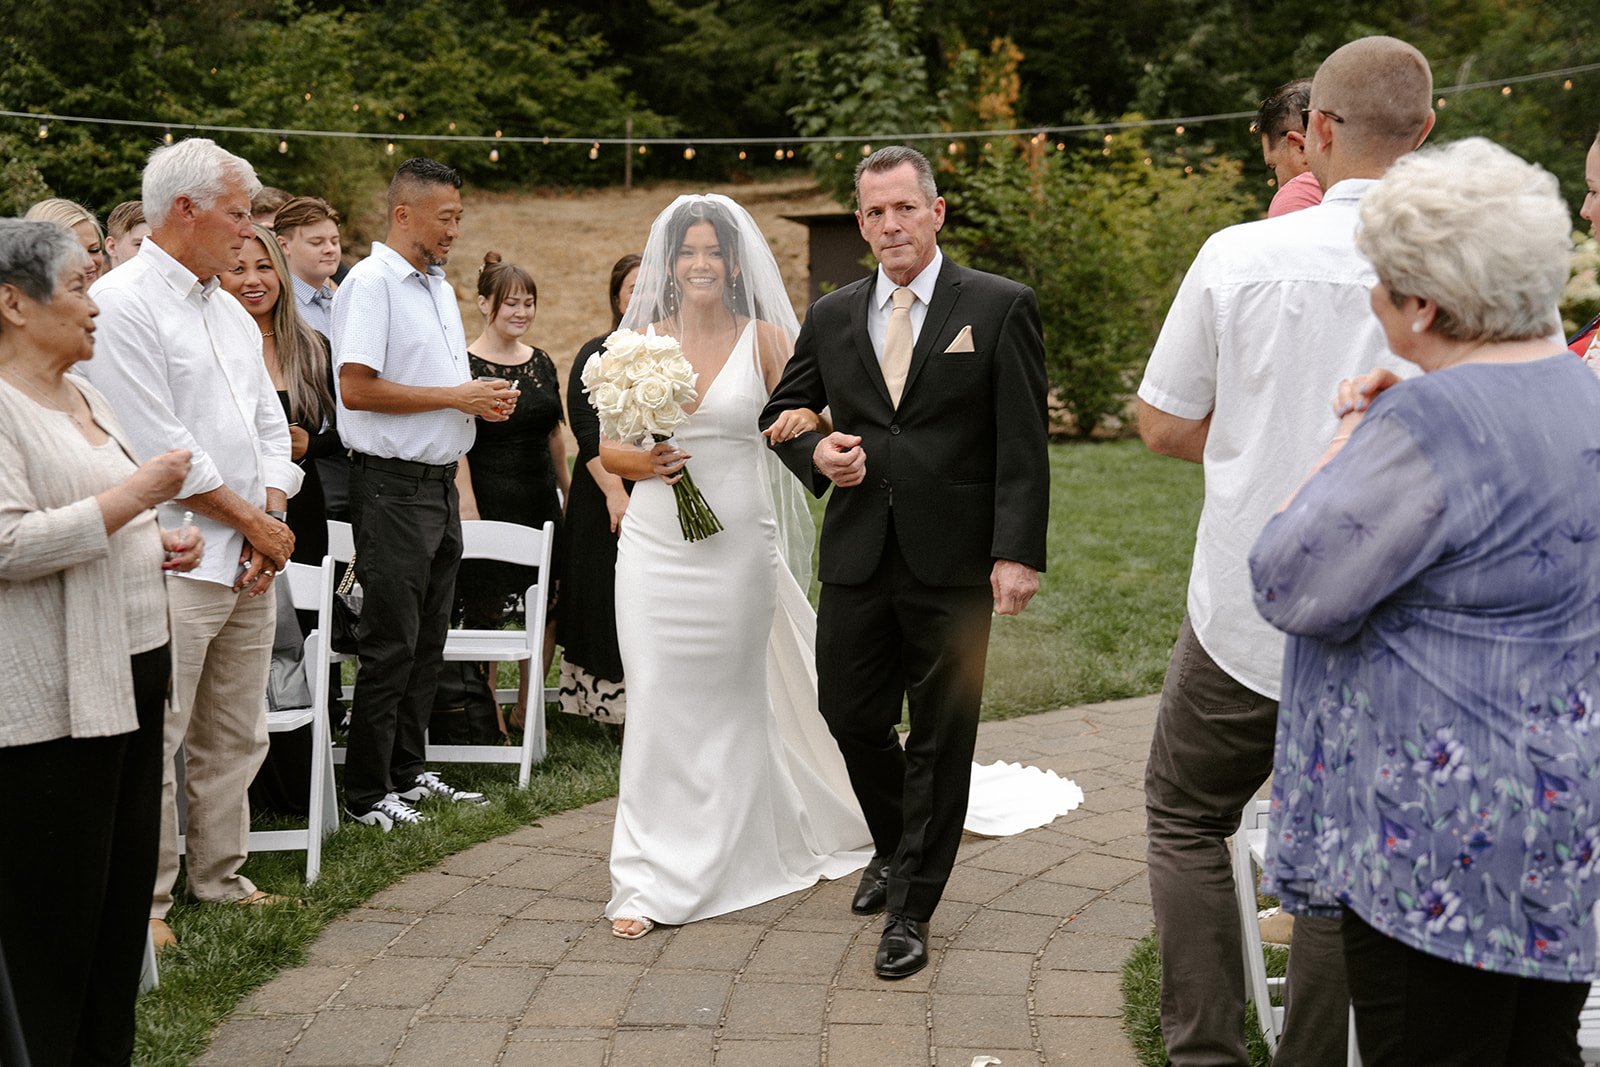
(1437, 773)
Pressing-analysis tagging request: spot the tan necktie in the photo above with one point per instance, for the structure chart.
(897, 344)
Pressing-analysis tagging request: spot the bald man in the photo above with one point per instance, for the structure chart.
(1270, 317)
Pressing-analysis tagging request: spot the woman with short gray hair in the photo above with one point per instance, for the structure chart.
(1437, 774)
(84, 664)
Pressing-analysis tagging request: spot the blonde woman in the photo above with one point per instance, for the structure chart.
(84, 226)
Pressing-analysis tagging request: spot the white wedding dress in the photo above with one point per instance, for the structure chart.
(733, 792)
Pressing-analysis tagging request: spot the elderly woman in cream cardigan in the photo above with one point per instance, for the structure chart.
(84, 668)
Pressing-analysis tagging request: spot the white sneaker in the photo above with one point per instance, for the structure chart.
(429, 784)
(388, 813)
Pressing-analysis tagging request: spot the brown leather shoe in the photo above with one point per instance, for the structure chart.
(161, 935)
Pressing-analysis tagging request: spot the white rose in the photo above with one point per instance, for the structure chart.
(641, 367)
(652, 393)
(680, 375)
(623, 343)
(606, 398)
(663, 344)
(664, 419)
(610, 366)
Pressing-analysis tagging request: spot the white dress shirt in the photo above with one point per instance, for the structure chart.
(180, 362)
(313, 303)
(879, 307)
(406, 326)
(1270, 317)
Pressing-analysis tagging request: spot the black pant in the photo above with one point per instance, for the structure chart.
(75, 884)
(894, 639)
(408, 546)
(1416, 1010)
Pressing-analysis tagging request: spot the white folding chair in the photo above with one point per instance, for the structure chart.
(311, 588)
(1249, 852)
(1589, 1026)
(509, 543)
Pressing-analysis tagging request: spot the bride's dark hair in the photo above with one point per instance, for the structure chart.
(692, 214)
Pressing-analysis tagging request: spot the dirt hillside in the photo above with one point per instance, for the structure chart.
(568, 242)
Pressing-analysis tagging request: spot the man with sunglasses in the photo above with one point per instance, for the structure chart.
(1270, 317)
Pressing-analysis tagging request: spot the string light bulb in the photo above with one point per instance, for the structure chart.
(308, 98)
(44, 131)
(388, 149)
(497, 133)
(688, 152)
(741, 155)
(643, 149)
(494, 155)
(166, 137)
(1505, 90)
(399, 116)
(355, 107)
(789, 153)
(1566, 84)
(866, 150)
(1178, 131)
(283, 146)
(594, 150)
(777, 153)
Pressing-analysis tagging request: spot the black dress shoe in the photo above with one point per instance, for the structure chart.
(873, 892)
(903, 948)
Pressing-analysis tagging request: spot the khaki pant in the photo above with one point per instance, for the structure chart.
(221, 652)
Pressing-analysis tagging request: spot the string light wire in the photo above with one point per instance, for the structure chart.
(780, 141)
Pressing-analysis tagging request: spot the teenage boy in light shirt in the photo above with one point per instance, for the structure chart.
(308, 232)
(126, 230)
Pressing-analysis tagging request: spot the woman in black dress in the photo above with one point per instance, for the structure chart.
(516, 468)
(591, 667)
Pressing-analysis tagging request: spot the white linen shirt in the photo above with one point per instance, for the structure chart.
(312, 303)
(883, 294)
(405, 325)
(1270, 317)
(180, 362)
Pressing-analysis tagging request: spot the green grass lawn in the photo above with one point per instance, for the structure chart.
(1141, 1004)
(1121, 531)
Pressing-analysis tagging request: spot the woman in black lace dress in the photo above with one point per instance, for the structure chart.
(591, 665)
(516, 468)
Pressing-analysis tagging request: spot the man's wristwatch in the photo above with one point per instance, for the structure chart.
(281, 516)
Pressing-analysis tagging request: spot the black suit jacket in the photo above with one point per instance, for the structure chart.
(962, 461)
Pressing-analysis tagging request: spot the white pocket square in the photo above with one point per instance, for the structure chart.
(963, 341)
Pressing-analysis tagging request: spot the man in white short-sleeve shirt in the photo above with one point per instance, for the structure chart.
(406, 408)
(180, 361)
(1271, 316)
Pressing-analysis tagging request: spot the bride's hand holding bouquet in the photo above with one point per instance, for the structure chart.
(639, 384)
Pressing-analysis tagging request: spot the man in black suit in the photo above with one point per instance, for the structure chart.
(934, 375)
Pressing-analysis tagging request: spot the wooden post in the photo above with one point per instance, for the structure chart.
(627, 155)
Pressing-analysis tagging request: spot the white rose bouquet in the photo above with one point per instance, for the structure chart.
(638, 384)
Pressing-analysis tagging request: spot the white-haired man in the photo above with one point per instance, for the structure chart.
(181, 362)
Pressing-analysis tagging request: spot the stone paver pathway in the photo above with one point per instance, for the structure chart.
(499, 955)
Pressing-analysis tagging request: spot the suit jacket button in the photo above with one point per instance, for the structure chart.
(883, 483)
(895, 428)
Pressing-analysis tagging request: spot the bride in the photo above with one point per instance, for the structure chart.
(732, 790)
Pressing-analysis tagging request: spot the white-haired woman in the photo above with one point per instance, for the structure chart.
(1437, 772)
(84, 664)
(84, 226)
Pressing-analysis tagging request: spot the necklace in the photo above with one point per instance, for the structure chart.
(18, 376)
(267, 333)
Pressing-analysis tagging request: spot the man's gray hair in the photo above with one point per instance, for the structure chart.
(34, 255)
(899, 155)
(1477, 230)
(197, 168)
